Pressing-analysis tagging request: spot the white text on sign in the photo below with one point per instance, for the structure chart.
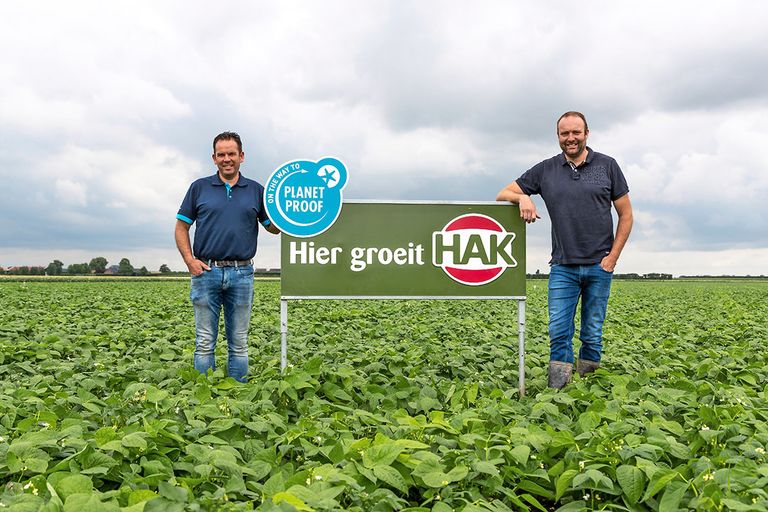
(303, 199)
(305, 253)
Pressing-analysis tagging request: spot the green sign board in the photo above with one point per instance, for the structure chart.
(410, 250)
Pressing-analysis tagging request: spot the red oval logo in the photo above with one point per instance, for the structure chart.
(473, 249)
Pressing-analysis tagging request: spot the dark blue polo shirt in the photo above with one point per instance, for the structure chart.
(579, 204)
(227, 218)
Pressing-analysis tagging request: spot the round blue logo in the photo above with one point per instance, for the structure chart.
(303, 198)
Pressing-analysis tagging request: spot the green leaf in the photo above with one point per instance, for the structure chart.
(381, 454)
(259, 469)
(737, 505)
(291, 500)
(439, 479)
(274, 485)
(221, 424)
(564, 483)
(483, 466)
(163, 505)
(588, 421)
(581, 481)
(140, 495)
(521, 454)
(632, 482)
(458, 473)
(88, 502)
(155, 395)
(173, 493)
(436, 479)
(472, 393)
(410, 444)
(134, 440)
(673, 493)
(73, 484)
(36, 465)
(658, 482)
(574, 506)
(391, 476)
(533, 501)
(138, 507)
(533, 487)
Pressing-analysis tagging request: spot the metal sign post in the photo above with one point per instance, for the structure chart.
(410, 250)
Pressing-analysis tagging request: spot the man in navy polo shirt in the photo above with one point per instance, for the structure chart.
(227, 209)
(578, 186)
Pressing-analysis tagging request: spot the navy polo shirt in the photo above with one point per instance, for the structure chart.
(227, 218)
(579, 204)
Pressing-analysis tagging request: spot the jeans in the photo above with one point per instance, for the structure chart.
(231, 287)
(566, 284)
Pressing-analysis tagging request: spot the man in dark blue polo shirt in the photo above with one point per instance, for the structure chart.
(578, 186)
(227, 209)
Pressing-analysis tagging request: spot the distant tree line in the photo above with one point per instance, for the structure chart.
(98, 265)
(651, 275)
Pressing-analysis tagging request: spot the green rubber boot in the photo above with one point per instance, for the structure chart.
(559, 374)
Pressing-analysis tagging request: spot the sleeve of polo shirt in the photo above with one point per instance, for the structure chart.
(262, 215)
(619, 185)
(530, 181)
(187, 211)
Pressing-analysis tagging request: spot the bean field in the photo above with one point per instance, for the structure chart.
(386, 405)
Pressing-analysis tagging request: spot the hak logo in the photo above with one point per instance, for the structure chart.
(473, 249)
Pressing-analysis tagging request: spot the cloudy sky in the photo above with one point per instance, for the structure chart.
(107, 110)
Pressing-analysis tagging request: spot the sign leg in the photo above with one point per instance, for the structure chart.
(521, 342)
(283, 335)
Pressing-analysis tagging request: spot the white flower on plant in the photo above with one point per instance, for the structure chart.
(581, 464)
(704, 428)
(760, 450)
(318, 477)
(708, 476)
(586, 496)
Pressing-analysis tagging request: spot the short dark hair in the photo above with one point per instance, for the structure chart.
(572, 113)
(228, 136)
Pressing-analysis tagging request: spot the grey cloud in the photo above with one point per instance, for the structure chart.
(715, 80)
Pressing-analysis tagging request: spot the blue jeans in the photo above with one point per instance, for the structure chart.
(566, 284)
(231, 287)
